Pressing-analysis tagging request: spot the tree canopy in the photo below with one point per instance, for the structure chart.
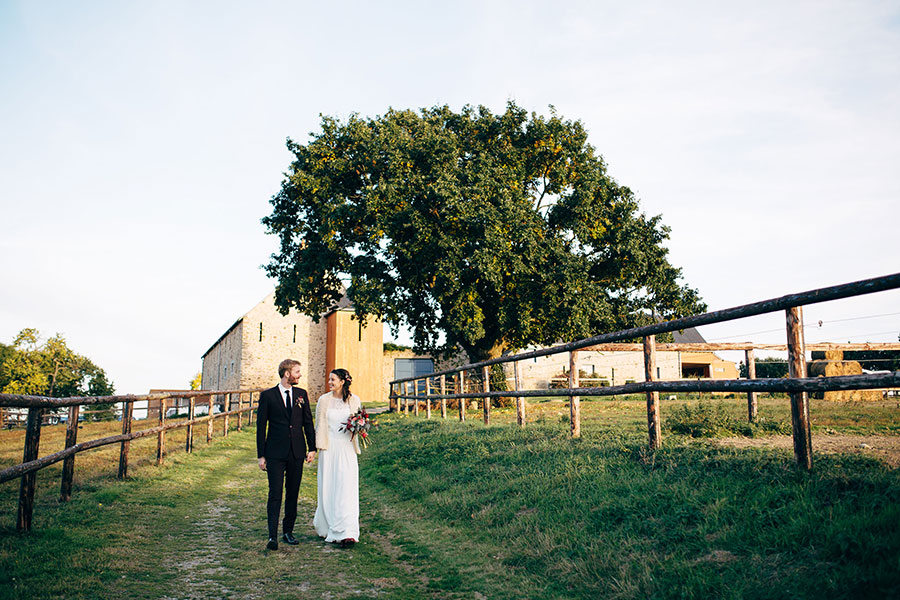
(49, 368)
(481, 231)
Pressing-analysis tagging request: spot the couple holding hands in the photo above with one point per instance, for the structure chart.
(286, 437)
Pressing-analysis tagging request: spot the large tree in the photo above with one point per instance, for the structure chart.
(481, 231)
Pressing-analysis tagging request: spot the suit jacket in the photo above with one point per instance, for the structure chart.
(276, 436)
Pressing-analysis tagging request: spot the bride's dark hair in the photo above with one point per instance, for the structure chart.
(344, 375)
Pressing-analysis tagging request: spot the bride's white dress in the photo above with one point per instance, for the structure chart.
(337, 514)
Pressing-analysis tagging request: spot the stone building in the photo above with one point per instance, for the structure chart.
(621, 367)
(248, 353)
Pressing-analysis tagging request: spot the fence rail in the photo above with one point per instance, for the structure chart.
(797, 384)
(36, 405)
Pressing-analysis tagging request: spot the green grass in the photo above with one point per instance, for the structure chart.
(460, 510)
(195, 528)
(602, 517)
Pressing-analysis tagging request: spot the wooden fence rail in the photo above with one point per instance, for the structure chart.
(797, 385)
(36, 405)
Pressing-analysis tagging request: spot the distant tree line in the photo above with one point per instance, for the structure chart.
(767, 368)
(30, 366)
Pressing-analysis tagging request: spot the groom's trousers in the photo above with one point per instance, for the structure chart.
(283, 475)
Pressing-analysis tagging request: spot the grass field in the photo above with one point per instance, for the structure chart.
(460, 510)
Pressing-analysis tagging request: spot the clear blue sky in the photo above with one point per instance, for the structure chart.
(140, 143)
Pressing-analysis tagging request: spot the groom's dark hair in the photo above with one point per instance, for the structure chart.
(286, 365)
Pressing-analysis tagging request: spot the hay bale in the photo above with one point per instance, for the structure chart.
(833, 368)
(828, 355)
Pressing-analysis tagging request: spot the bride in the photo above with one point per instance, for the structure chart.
(337, 513)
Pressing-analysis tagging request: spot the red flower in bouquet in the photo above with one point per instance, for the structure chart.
(359, 424)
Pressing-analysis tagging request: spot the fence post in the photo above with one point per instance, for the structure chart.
(26, 486)
(427, 399)
(250, 411)
(520, 400)
(240, 411)
(443, 393)
(416, 385)
(574, 401)
(486, 376)
(161, 436)
(462, 401)
(799, 400)
(189, 434)
(752, 405)
(127, 411)
(393, 405)
(65, 488)
(406, 398)
(226, 406)
(209, 424)
(652, 397)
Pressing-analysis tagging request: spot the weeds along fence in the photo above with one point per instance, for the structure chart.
(231, 402)
(798, 385)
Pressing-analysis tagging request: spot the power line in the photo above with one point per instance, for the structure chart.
(860, 318)
(865, 335)
(817, 325)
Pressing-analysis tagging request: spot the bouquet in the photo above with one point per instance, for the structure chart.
(359, 424)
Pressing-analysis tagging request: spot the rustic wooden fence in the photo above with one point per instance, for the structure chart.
(232, 402)
(797, 384)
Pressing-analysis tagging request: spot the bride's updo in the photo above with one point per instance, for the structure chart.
(344, 375)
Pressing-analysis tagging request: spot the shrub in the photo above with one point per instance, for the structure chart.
(702, 420)
(708, 420)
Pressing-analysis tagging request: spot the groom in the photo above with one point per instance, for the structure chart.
(284, 412)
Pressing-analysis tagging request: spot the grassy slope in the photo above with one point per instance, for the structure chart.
(457, 510)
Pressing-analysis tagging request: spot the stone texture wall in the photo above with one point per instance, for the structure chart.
(270, 337)
(242, 360)
(222, 364)
(617, 367)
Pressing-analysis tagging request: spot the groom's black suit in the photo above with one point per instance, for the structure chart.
(281, 441)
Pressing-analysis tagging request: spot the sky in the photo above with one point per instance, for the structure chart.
(141, 143)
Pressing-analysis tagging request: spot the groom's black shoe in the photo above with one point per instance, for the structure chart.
(290, 539)
(273, 544)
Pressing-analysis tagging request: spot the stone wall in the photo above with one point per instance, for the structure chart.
(222, 363)
(247, 356)
(270, 337)
(616, 367)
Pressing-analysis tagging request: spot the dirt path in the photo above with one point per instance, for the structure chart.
(217, 550)
(885, 448)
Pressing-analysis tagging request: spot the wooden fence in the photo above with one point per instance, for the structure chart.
(797, 384)
(233, 405)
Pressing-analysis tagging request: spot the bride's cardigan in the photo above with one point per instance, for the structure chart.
(322, 419)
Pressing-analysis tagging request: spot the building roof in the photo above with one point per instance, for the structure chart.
(343, 304)
(688, 336)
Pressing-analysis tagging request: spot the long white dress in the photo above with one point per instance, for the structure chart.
(337, 513)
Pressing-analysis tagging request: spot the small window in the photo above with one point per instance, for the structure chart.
(295, 334)
(260, 332)
(360, 331)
